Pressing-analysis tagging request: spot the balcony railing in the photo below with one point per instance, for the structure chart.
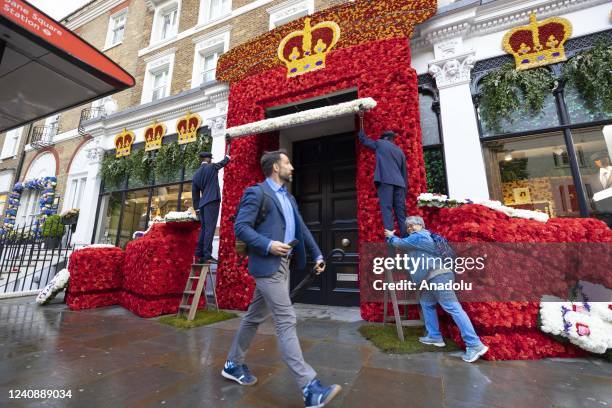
(88, 114)
(42, 136)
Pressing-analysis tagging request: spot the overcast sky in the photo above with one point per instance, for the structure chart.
(58, 9)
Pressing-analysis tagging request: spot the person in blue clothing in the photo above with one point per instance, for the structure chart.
(206, 199)
(419, 244)
(269, 255)
(389, 176)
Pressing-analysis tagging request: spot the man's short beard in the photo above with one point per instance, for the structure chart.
(287, 178)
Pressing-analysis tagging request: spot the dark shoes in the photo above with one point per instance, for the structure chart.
(239, 373)
(316, 395)
(199, 260)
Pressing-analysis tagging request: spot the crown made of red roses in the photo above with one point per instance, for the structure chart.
(123, 143)
(538, 43)
(187, 128)
(153, 136)
(305, 50)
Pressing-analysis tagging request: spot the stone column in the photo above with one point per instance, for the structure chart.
(464, 161)
(87, 213)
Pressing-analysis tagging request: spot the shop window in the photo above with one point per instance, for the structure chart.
(435, 170)
(578, 110)
(214, 9)
(595, 147)
(429, 120)
(110, 213)
(288, 11)
(531, 173)
(523, 119)
(116, 28)
(186, 197)
(164, 200)
(134, 218)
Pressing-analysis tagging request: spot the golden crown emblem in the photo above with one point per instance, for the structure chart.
(123, 143)
(305, 50)
(539, 43)
(187, 128)
(153, 136)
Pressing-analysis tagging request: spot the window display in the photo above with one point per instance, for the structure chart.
(534, 173)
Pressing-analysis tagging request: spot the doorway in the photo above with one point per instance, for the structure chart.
(324, 187)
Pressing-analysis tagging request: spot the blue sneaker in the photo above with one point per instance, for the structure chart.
(474, 353)
(316, 395)
(239, 373)
(432, 342)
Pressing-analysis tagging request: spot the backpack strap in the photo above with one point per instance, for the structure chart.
(263, 207)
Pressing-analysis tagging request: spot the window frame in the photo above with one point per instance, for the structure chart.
(288, 11)
(110, 43)
(155, 65)
(14, 136)
(160, 11)
(217, 41)
(204, 15)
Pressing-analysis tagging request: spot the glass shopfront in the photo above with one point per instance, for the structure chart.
(132, 205)
(555, 161)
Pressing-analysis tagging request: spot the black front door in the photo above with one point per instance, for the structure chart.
(324, 187)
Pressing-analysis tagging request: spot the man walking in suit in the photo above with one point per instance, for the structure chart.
(206, 199)
(269, 257)
(389, 177)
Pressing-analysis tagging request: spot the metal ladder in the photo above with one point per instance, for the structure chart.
(198, 273)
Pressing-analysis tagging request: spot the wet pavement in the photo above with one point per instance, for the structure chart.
(111, 358)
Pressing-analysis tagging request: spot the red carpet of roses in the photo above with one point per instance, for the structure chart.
(147, 279)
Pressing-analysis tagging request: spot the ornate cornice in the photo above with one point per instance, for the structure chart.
(454, 70)
(492, 17)
(196, 100)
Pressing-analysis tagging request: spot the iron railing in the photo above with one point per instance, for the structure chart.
(42, 136)
(88, 114)
(31, 255)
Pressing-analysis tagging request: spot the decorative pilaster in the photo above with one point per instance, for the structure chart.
(87, 212)
(465, 167)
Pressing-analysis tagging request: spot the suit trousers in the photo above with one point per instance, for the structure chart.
(272, 293)
(209, 213)
(392, 199)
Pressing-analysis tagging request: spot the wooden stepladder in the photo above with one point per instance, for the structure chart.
(197, 277)
(397, 318)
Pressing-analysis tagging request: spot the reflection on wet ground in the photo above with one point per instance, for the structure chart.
(111, 358)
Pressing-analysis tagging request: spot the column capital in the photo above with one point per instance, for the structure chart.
(217, 125)
(453, 70)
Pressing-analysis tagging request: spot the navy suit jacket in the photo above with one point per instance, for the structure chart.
(390, 161)
(205, 184)
(272, 228)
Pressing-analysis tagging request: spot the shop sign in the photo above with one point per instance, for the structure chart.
(153, 136)
(123, 143)
(187, 128)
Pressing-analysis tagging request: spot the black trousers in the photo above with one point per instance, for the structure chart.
(209, 214)
(392, 199)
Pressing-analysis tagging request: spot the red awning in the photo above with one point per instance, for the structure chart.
(45, 68)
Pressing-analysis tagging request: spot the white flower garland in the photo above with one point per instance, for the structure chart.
(586, 324)
(442, 201)
(180, 216)
(57, 284)
(302, 118)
